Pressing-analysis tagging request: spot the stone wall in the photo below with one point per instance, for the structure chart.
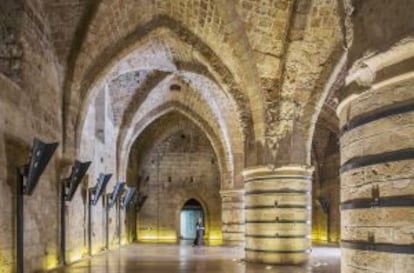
(238, 65)
(181, 167)
(376, 178)
(10, 46)
(326, 188)
(377, 25)
(331, 192)
(97, 145)
(325, 195)
(30, 102)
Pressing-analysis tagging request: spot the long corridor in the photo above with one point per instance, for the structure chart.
(149, 258)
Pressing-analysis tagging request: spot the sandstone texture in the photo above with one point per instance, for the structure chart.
(288, 121)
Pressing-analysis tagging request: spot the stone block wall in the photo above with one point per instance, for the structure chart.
(30, 108)
(377, 217)
(326, 188)
(271, 58)
(10, 47)
(326, 223)
(30, 101)
(233, 219)
(332, 194)
(181, 167)
(100, 149)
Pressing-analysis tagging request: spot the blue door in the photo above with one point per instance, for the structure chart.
(188, 221)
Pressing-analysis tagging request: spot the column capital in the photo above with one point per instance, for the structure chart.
(364, 71)
(231, 192)
(284, 171)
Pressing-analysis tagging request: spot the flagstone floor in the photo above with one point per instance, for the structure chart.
(153, 258)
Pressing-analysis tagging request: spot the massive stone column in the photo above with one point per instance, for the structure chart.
(278, 214)
(233, 216)
(377, 186)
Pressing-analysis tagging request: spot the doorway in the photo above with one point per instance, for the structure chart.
(191, 211)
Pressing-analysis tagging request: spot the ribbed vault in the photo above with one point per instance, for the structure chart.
(239, 58)
(176, 48)
(131, 94)
(158, 128)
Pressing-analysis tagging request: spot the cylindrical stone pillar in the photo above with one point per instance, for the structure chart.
(377, 179)
(278, 214)
(233, 217)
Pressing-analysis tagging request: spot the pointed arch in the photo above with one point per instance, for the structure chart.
(82, 81)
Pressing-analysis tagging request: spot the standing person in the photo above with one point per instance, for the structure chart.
(198, 241)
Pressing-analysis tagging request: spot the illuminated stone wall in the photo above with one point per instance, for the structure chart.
(30, 106)
(97, 144)
(377, 217)
(255, 77)
(180, 167)
(326, 179)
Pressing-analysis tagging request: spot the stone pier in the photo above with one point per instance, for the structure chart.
(233, 216)
(377, 186)
(278, 214)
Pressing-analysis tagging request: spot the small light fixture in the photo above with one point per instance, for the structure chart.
(96, 192)
(128, 197)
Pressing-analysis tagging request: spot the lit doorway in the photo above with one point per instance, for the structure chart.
(191, 211)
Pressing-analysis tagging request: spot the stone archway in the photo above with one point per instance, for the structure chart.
(326, 179)
(171, 162)
(188, 216)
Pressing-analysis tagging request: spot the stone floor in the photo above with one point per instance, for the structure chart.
(151, 258)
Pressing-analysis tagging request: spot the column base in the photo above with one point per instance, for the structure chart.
(253, 256)
(278, 215)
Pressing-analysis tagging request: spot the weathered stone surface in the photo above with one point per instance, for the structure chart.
(175, 166)
(232, 216)
(260, 80)
(393, 188)
(366, 261)
(275, 213)
(379, 224)
(271, 258)
(399, 216)
(377, 99)
(379, 173)
(11, 50)
(261, 220)
(275, 244)
(271, 229)
(399, 234)
(377, 25)
(285, 199)
(299, 184)
(374, 144)
(378, 127)
(29, 107)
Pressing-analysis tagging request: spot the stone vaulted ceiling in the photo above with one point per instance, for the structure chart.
(255, 71)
